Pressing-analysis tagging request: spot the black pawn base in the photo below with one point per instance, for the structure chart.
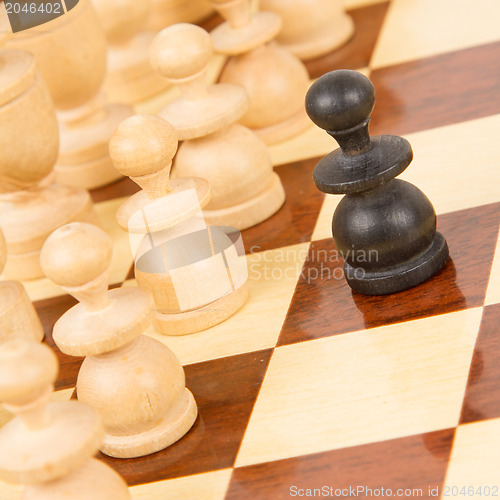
(403, 276)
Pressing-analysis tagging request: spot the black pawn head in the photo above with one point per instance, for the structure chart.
(341, 100)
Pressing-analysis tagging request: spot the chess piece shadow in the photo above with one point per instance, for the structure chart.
(173, 459)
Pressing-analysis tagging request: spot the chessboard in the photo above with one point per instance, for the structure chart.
(312, 389)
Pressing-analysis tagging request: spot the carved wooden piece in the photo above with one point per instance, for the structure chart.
(275, 79)
(31, 204)
(130, 77)
(70, 52)
(311, 28)
(179, 261)
(27, 452)
(5, 29)
(235, 162)
(384, 228)
(135, 383)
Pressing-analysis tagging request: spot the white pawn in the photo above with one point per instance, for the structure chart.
(5, 29)
(311, 28)
(275, 79)
(235, 162)
(18, 317)
(194, 272)
(49, 446)
(130, 77)
(135, 383)
(71, 53)
(31, 204)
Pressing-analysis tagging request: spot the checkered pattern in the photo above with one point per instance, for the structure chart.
(311, 385)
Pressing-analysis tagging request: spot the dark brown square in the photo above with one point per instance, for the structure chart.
(49, 311)
(225, 390)
(415, 463)
(119, 189)
(324, 305)
(437, 91)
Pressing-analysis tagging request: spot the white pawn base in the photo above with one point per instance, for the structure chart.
(94, 480)
(203, 318)
(286, 129)
(324, 41)
(250, 212)
(166, 433)
(89, 175)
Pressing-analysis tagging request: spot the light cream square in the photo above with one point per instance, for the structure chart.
(362, 387)
(272, 277)
(415, 29)
(475, 461)
(493, 290)
(209, 486)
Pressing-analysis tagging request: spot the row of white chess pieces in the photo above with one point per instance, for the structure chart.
(96, 62)
(135, 383)
(263, 88)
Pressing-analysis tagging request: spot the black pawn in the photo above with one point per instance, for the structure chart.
(384, 228)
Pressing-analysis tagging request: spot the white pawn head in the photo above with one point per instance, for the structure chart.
(181, 51)
(27, 370)
(143, 145)
(76, 254)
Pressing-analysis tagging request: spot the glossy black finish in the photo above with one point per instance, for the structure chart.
(387, 157)
(385, 228)
(375, 219)
(351, 103)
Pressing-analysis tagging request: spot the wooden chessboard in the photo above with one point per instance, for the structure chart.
(311, 385)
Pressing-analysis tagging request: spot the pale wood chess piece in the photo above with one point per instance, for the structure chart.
(311, 28)
(167, 12)
(18, 318)
(130, 77)
(31, 204)
(275, 79)
(70, 52)
(49, 446)
(236, 163)
(5, 29)
(193, 272)
(136, 384)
